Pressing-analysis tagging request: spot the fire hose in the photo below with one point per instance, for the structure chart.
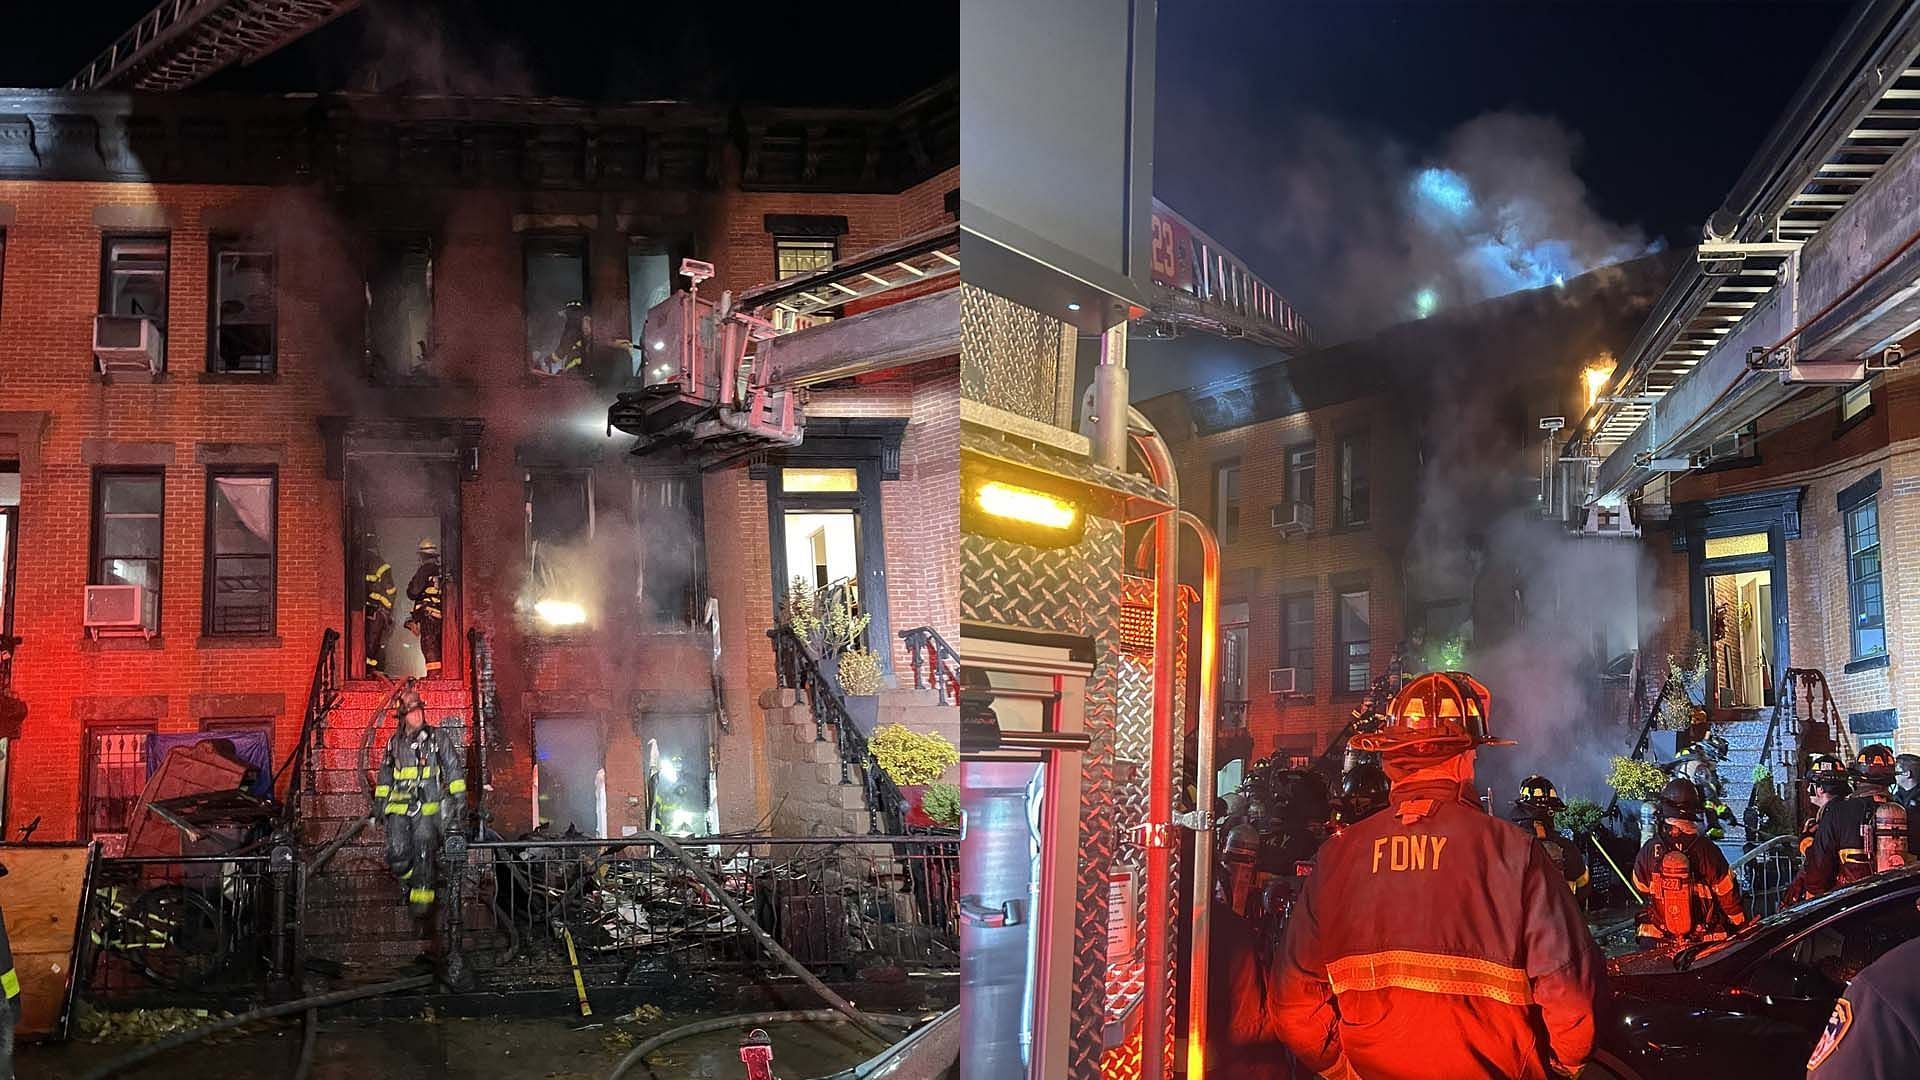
(307, 1005)
(637, 1055)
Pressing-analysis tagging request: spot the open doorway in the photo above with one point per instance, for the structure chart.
(569, 775)
(1740, 616)
(405, 548)
(678, 749)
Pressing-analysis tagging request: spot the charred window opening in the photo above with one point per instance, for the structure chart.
(1353, 642)
(1226, 501)
(569, 775)
(133, 279)
(1296, 640)
(672, 551)
(797, 255)
(245, 308)
(559, 526)
(3, 290)
(399, 316)
(116, 774)
(242, 523)
(1300, 466)
(128, 532)
(559, 330)
(1355, 489)
(649, 282)
(9, 544)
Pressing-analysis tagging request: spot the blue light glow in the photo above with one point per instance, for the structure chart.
(1424, 302)
(1445, 191)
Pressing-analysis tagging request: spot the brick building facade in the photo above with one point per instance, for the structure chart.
(280, 238)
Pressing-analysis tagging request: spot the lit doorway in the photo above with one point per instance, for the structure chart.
(399, 506)
(1737, 563)
(824, 516)
(1743, 669)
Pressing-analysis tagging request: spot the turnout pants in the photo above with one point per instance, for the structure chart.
(413, 843)
(378, 625)
(428, 627)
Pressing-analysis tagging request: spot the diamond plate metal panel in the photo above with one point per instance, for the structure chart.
(1012, 357)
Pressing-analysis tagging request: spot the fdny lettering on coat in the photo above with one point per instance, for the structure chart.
(1416, 852)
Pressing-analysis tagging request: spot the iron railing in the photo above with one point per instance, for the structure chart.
(323, 694)
(935, 665)
(796, 669)
(1764, 873)
(634, 912)
(171, 930)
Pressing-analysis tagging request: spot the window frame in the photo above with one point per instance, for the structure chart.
(1854, 583)
(97, 512)
(1844, 423)
(536, 243)
(1342, 657)
(87, 757)
(787, 241)
(107, 241)
(1226, 513)
(208, 577)
(694, 508)
(1288, 647)
(381, 245)
(1291, 489)
(1353, 447)
(219, 244)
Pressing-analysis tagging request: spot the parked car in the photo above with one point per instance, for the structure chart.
(1752, 1006)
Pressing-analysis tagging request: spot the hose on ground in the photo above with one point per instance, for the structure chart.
(726, 1023)
(860, 1019)
(309, 1035)
(338, 997)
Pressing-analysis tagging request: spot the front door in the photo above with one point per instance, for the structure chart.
(403, 522)
(826, 533)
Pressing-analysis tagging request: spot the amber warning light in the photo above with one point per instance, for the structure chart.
(997, 508)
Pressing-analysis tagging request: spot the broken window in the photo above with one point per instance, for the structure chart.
(671, 551)
(649, 282)
(569, 775)
(1355, 492)
(797, 255)
(115, 777)
(239, 572)
(133, 279)
(1300, 462)
(128, 537)
(559, 510)
(1226, 501)
(559, 330)
(1296, 640)
(1353, 643)
(399, 290)
(244, 308)
(1865, 603)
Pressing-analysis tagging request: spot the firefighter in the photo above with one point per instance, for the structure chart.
(1858, 836)
(1691, 894)
(1433, 940)
(422, 787)
(10, 984)
(378, 607)
(1533, 811)
(1826, 782)
(571, 347)
(1700, 763)
(1363, 791)
(427, 590)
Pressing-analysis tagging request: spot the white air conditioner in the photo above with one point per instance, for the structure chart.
(1291, 517)
(121, 611)
(130, 343)
(1280, 680)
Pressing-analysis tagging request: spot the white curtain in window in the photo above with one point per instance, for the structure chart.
(252, 502)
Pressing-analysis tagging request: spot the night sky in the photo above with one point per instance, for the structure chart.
(861, 53)
(1665, 102)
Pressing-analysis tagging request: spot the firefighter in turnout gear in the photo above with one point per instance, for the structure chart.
(1691, 894)
(1826, 784)
(422, 788)
(1364, 790)
(1700, 763)
(378, 607)
(1858, 836)
(1533, 811)
(1433, 940)
(427, 590)
(10, 984)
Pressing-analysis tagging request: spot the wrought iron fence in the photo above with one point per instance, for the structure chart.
(631, 910)
(171, 929)
(1765, 872)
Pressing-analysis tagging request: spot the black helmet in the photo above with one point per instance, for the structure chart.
(1875, 764)
(1538, 792)
(1242, 843)
(1363, 791)
(1301, 795)
(1824, 765)
(1680, 798)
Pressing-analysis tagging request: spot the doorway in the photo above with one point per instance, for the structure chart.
(1740, 615)
(825, 520)
(569, 775)
(399, 505)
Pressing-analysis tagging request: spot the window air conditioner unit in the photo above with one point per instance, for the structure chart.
(121, 611)
(1292, 517)
(130, 343)
(1280, 680)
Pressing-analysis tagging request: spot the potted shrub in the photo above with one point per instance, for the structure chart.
(1636, 782)
(826, 622)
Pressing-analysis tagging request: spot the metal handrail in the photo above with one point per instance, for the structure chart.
(796, 669)
(1748, 856)
(943, 664)
(322, 695)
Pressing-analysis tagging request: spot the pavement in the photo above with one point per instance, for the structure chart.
(352, 1048)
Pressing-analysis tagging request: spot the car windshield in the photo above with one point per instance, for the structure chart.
(1806, 911)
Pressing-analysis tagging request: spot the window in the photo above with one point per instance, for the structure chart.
(1354, 490)
(559, 509)
(3, 282)
(1226, 501)
(559, 330)
(244, 308)
(1300, 461)
(9, 559)
(116, 774)
(1353, 643)
(671, 539)
(241, 523)
(797, 255)
(1296, 640)
(399, 315)
(649, 282)
(133, 278)
(127, 532)
(1855, 401)
(1863, 579)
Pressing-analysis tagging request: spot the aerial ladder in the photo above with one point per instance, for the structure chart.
(726, 377)
(183, 42)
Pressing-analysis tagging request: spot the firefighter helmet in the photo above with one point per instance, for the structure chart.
(1441, 712)
(1300, 796)
(1538, 792)
(1823, 765)
(1874, 765)
(406, 701)
(1680, 798)
(428, 546)
(1242, 844)
(1363, 791)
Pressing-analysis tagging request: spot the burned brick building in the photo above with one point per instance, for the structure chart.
(258, 353)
